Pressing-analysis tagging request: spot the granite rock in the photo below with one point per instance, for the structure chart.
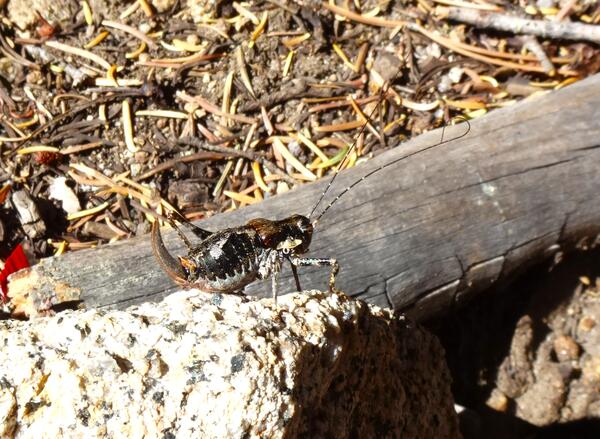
(201, 365)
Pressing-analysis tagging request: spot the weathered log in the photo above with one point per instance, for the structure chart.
(425, 232)
(200, 365)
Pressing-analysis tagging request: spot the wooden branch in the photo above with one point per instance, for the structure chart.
(517, 25)
(533, 45)
(423, 233)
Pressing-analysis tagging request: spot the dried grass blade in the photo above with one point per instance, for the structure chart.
(79, 52)
(293, 161)
(88, 212)
(241, 62)
(38, 148)
(258, 177)
(132, 31)
(310, 144)
(345, 126)
(128, 127)
(241, 198)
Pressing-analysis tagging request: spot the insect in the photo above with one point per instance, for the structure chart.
(227, 260)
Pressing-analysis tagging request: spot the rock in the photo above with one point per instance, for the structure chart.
(497, 401)
(551, 374)
(215, 366)
(565, 348)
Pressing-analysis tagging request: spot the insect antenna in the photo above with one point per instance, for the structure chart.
(383, 92)
(368, 174)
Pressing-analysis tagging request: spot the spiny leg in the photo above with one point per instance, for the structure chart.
(296, 278)
(320, 262)
(273, 267)
(198, 231)
(184, 238)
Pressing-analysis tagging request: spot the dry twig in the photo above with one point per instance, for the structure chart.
(518, 25)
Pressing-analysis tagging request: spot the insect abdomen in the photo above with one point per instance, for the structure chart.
(227, 261)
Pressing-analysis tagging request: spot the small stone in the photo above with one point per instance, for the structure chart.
(135, 169)
(586, 324)
(190, 107)
(140, 156)
(145, 27)
(444, 84)
(282, 187)
(162, 5)
(498, 401)
(565, 348)
(34, 77)
(387, 65)
(455, 74)
(542, 4)
(162, 123)
(100, 230)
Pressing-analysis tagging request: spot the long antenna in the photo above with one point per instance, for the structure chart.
(383, 92)
(368, 174)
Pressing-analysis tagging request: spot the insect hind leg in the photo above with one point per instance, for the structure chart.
(174, 217)
(198, 231)
(173, 224)
(320, 262)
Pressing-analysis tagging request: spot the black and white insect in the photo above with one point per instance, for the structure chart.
(226, 261)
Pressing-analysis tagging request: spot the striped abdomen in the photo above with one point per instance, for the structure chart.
(227, 261)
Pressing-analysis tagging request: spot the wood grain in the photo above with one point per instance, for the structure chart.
(424, 233)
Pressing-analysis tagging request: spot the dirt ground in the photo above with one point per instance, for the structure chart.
(526, 360)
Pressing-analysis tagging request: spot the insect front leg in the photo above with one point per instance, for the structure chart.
(271, 266)
(296, 278)
(274, 277)
(320, 262)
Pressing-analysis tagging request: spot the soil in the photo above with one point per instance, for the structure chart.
(526, 360)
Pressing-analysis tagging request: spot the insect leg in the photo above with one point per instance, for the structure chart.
(296, 278)
(171, 265)
(274, 285)
(198, 231)
(184, 238)
(320, 262)
(270, 265)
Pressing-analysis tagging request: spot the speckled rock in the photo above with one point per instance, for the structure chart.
(202, 365)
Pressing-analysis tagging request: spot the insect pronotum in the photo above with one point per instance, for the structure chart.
(227, 260)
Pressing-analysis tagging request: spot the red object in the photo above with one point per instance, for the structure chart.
(15, 262)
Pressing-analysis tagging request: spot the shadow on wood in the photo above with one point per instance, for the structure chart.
(424, 233)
